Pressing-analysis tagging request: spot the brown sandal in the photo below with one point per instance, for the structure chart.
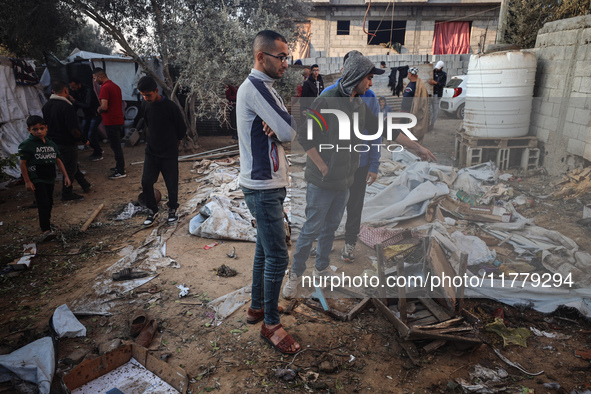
(283, 345)
(253, 316)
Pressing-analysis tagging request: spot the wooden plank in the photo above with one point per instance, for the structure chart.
(420, 315)
(460, 290)
(445, 324)
(330, 312)
(410, 349)
(422, 322)
(442, 268)
(434, 345)
(358, 309)
(392, 318)
(379, 248)
(91, 218)
(401, 290)
(435, 309)
(445, 337)
(89, 370)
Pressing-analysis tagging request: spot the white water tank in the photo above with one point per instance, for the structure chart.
(499, 94)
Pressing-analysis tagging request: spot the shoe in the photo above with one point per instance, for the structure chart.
(253, 316)
(95, 158)
(145, 337)
(290, 288)
(150, 219)
(172, 217)
(118, 174)
(282, 346)
(327, 272)
(47, 236)
(87, 188)
(347, 253)
(72, 197)
(137, 325)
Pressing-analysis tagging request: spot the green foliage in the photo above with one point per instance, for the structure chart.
(31, 27)
(526, 17)
(204, 45)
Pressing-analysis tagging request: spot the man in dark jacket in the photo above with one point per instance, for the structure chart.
(438, 82)
(330, 172)
(314, 85)
(166, 129)
(84, 98)
(63, 129)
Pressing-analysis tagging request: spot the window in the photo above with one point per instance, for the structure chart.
(343, 28)
(451, 38)
(384, 30)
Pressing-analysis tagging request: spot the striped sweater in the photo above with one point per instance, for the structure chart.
(263, 164)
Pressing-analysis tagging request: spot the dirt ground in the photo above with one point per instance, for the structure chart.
(363, 355)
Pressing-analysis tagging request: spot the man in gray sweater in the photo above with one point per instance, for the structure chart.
(263, 125)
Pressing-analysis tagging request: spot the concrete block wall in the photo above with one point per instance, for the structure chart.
(420, 26)
(561, 114)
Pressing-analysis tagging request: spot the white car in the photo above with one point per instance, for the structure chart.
(454, 96)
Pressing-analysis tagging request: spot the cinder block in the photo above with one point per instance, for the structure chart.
(581, 116)
(570, 130)
(575, 147)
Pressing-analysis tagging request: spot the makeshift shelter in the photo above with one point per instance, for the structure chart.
(17, 103)
(122, 70)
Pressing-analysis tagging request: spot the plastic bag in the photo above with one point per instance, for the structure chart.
(476, 248)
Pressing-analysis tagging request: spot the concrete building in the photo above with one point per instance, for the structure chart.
(410, 26)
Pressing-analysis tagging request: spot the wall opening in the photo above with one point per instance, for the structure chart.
(384, 30)
(343, 28)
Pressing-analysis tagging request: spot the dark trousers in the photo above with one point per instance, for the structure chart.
(114, 135)
(69, 156)
(355, 205)
(90, 129)
(169, 168)
(44, 198)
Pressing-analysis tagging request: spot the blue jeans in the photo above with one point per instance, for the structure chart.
(90, 130)
(271, 255)
(324, 211)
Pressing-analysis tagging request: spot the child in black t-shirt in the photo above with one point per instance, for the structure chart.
(39, 156)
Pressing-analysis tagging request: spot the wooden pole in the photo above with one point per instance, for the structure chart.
(91, 218)
(460, 290)
(502, 25)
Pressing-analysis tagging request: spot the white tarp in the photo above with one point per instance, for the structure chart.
(17, 103)
(410, 193)
(33, 363)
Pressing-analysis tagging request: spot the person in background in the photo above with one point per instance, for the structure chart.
(415, 100)
(111, 109)
(382, 64)
(166, 129)
(314, 85)
(438, 82)
(84, 98)
(38, 157)
(384, 107)
(64, 130)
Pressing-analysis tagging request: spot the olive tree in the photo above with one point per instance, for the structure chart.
(204, 45)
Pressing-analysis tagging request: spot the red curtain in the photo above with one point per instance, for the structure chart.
(451, 38)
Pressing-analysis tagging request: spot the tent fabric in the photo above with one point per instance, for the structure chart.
(17, 103)
(451, 38)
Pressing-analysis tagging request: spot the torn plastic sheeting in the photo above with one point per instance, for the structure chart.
(65, 323)
(129, 211)
(33, 363)
(542, 299)
(476, 248)
(227, 304)
(487, 374)
(407, 197)
(225, 221)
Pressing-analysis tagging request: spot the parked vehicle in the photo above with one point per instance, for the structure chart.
(454, 96)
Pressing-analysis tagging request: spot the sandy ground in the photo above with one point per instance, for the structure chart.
(363, 355)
